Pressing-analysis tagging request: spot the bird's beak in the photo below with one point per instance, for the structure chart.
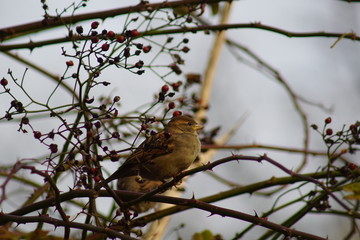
(198, 127)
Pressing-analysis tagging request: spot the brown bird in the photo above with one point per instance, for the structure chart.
(133, 184)
(163, 155)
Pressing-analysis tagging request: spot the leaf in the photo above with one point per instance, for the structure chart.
(352, 187)
(204, 235)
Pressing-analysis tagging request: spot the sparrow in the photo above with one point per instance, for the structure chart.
(134, 184)
(163, 155)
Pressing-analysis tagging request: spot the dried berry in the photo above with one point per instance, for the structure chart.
(95, 25)
(171, 105)
(37, 134)
(79, 29)
(69, 63)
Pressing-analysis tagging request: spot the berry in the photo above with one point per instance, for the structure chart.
(329, 131)
(171, 105)
(104, 32)
(116, 99)
(97, 179)
(352, 166)
(37, 134)
(105, 47)
(79, 29)
(95, 25)
(177, 113)
(97, 124)
(94, 39)
(93, 171)
(165, 88)
(25, 120)
(328, 120)
(314, 126)
(134, 33)
(185, 49)
(185, 40)
(111, 34)
(176, 85)
(69, 63)
(127, 52)
(115, 134)
(4, 82)
(146, 49)
(139, 45)
(100, 60)
(139, 64)
(120, 39)
(53, 148)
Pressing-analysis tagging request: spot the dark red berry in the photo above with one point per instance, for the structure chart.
(94, 39)
(146, 49)
(69, 63)
(4, 82)
(37, 134)
(165, 88)
(95, 25)
(97, 124)
(177, 113)
(171, 105)
(352, 127)
(352, 166)
(111, 34)
(25, 120)
(328, 120)
(139, 64)
(105, 47)
(97, 179)
(134, 33)
(93, 171)
(185, 49)
(329, 131)
(120, 39)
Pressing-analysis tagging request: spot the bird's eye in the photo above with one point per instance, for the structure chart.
(190, 123)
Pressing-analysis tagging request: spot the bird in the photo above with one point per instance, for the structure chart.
(143, 185)
(164, 154)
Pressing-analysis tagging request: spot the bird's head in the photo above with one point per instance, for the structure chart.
(183, 124)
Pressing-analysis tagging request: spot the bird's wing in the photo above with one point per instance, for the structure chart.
(154, 146)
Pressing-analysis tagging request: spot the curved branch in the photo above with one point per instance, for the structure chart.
(31, 45)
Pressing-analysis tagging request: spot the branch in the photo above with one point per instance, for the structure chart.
(15, 31)
(56, 222)
(31, 45)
